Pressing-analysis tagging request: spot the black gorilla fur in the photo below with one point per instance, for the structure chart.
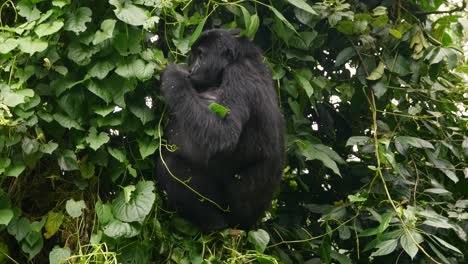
(237, 160)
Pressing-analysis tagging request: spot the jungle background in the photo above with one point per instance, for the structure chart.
(375, 98)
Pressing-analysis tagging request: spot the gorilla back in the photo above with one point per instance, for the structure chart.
(235, 161)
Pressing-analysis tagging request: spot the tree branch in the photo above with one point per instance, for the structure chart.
(457, 9)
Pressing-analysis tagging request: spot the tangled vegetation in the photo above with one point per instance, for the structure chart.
(375, 97)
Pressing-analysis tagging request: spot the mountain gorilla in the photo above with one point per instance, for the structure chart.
(235, 161)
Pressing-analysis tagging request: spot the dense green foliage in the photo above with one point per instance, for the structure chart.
(374, 97)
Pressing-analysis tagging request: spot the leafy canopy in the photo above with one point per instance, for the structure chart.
(373, 92)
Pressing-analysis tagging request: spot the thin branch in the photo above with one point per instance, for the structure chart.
(457, 9)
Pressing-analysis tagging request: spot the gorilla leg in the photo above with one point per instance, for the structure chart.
(250, 194)
(189, 204)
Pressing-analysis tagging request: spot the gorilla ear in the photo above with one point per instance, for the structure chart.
(234, 32)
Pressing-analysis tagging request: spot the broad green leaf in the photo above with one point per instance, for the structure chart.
(104, 212)
(101, 69)
(87, 170)
(414, 110)
(385, 247)
(357, 198)
(447, 245)
(305, 84)
(325, 248)
(11, 99)
(303, 41)
(345, 55)
(67, 161)
(4, 163)
(379, 11)
(31, 46)
(358, 140)
(183, 45)
(29, 146)
(278, 73)
(462, 203)
(37, 226)
(446, 167)
(5, 216)
(53, 223)
(302, 4)
(28, 10)
(15, 169)
(399, 65)
(74, 207)
(438, 253)
(94, 140)
(143, 112)
(219, 110)
(44, 16)
(196, 33)
(96, 238)
(259, 238)
(48, 28)
(408, 245)
(330, 152)
(60, 3)
(48, 147)
(437, 191)
(76, 21)
(282, 18)
(327, 156)
(147, 146)
(7, 45)
(135, 69)
(253, 27)
(105, 32)
(129, 41)
(246, 16)
(66, 121)
(129, 13)
(104, 111)
(344, 232)
(385, 223)
(117, 229)
(150, 24)
(414, 142)
(80, 54)
(341, 258)
(59, 255)
(313, 154)
(100, 88)
(131, 171)
(377, 73)
(346, 27)
(61, 85)
(117, 154)
(439, 54)
(128, 190)
(397, 34)
(32, 244)
(139, 205)
(20, 228)
(380, 21)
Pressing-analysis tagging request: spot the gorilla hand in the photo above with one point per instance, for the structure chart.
(174, 77)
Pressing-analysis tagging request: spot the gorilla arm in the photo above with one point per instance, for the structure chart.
(208, 133)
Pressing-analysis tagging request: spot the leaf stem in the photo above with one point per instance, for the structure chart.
(202, 197)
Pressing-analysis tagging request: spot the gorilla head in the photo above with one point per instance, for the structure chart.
(211, 54)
